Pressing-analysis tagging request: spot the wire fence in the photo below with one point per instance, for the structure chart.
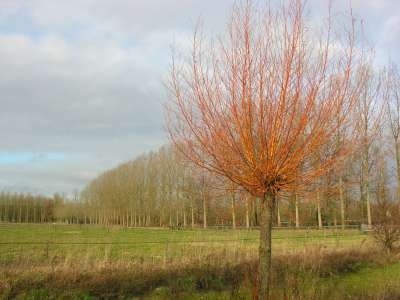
(88, 244)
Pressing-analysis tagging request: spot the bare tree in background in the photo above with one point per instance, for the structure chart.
(391, 96)
(255, 105)
(368, 116)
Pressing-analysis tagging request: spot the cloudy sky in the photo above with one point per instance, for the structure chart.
(81, 80)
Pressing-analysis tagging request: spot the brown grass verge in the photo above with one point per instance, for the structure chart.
(296, 276)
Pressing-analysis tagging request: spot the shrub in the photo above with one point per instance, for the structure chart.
(387, 224)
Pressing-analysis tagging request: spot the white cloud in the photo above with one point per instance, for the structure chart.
(84, 77)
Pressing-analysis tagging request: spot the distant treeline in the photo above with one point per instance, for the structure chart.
(23, 208)
(159, 189)
(26, 208)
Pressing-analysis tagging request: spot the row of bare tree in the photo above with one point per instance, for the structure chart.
(21, 208)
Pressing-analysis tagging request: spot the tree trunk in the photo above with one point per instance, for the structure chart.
(233, 212)
(369, 218)
(319, 211)
(247, 213)
(365, 184)
(341, 199)
(204, 212)
(296, 202)
(397, 150)
(264, 272)
(192, 215)
(278, 213)
(6, 211)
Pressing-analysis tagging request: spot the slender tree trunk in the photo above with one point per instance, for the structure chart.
(397, 150)
(247, 213)
(5, 218)
(26, 213)
(341, 199)
(278, 213)
(296, 202)
(233, 212)
(319, 211)
(264, 272)
(192, 215)
(369, 218)
(184, 218)
(204, 212)
(365, 184)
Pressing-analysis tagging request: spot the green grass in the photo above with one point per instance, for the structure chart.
(370, 282)
(53, 261)
(40, 243)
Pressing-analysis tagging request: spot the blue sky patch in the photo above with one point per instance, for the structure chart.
(29, 157)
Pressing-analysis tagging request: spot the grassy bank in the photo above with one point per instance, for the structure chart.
(314, 274)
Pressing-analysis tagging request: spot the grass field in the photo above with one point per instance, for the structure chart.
(39, 243)
(53, 261)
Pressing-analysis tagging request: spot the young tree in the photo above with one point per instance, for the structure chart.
(387, 225)
(257, 103)
(391, 96)
(368, 125)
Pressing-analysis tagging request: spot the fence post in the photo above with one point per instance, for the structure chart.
(47, 249)
(166, 253)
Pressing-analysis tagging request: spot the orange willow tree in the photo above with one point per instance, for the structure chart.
(255, 104)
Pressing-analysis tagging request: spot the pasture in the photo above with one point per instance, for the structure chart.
(36, 243)
(52, 261)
